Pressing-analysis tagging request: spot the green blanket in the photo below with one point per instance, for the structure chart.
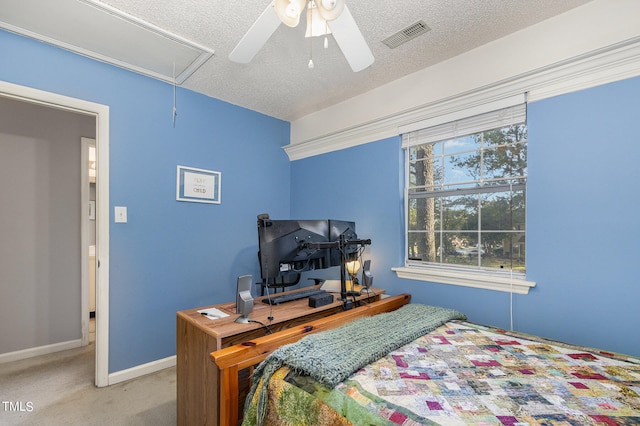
(332, 356)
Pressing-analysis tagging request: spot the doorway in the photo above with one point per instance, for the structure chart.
(100, 116)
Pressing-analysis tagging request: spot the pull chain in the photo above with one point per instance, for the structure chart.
(175, 110)
(310, 23)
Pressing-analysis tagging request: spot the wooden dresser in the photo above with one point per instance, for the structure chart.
(198, 377)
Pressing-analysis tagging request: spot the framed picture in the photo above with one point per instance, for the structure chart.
(197, 185)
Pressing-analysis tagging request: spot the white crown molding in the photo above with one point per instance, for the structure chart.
(607, 65)
(612, 63)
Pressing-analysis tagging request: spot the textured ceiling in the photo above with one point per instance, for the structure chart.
(278, 82)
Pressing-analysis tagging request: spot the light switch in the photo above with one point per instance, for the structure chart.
(121, 214)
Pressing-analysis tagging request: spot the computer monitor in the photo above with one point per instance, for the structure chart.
(244, 300)
(295, 246)
(282, 248)
(346, 230)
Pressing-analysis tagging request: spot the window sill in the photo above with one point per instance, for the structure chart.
(465, 279)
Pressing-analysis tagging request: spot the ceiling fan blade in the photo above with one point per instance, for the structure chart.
(256, 37)
(353, 45)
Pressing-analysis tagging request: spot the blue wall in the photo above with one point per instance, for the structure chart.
(582, 226)
(362, 184)
(583, 150)
(170, 255)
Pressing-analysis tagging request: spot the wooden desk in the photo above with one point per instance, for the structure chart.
(198, 378)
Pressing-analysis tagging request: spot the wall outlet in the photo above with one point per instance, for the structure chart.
(120, 214)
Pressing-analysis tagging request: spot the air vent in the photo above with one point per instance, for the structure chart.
(409, 33)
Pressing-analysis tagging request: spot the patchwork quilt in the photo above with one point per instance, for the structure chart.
(466, 374)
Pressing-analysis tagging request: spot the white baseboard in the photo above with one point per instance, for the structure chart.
(40, 350)
(141, 370)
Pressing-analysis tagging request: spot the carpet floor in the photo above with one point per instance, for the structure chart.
(58, 389)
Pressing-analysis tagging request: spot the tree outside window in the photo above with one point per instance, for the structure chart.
(467, 199)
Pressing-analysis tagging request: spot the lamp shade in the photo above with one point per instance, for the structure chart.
(352, 267)
(289, 11)
(330, 9)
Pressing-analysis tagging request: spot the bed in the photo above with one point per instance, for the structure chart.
(414, 364)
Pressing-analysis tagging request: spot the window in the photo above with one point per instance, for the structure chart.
(466, 194)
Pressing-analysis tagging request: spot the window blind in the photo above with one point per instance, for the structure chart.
(463, 126)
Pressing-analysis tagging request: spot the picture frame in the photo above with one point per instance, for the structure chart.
(198, 185)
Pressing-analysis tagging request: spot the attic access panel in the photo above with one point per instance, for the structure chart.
(107, 34)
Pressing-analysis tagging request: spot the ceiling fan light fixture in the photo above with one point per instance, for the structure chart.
(289, 11)
(316, 25)
(344, 31)
(330, 9)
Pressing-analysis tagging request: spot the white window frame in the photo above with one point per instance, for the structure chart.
(473, 120)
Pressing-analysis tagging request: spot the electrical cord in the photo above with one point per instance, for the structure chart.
(265, 326)
(270, 317)
(266, 285)
(307, 263)
(370, 294)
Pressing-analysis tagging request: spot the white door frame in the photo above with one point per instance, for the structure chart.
(85, 225)
(84, 240)
(101, 113)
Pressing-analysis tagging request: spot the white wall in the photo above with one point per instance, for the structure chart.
(39, 224)
(578, 33)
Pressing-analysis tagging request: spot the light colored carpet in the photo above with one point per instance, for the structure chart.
(60, 390)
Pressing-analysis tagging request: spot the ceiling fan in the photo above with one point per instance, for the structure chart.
(323, 17)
